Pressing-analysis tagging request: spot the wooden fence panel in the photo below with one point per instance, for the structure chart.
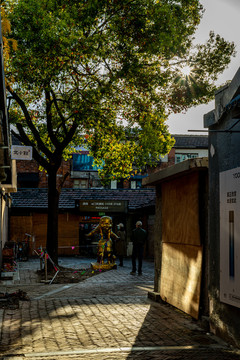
(19, 225)
(180, 211)
(181, 277)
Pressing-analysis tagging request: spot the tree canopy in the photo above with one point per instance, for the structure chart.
(107, 73)
(6, 29)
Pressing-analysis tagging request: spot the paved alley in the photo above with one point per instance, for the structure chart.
(108, 316)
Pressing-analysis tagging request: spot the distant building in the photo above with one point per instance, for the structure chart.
(83, 175)
(29, 207)
(185, 147)
(223, 123)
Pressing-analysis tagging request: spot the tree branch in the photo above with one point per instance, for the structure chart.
(30, 124)
(24, 138)
(59, 188)
(55, 101)
(49, 119)
(68, 137)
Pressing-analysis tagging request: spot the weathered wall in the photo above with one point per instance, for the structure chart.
(36, 224)
(150, 231)
(26, 166)
(4, 211)
(180, 210)
(181, 269)
(158, 240)
(180, 241)
(224, 150)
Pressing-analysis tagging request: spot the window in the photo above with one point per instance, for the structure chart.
(82, 162)
(133, 184)
(181, 157)
(80, 184)
(116, 184)
(136, 184)
(113, 184)
(28, 180)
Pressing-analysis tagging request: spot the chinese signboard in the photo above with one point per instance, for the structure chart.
(230, 237)
(21, 152)
(102, 205)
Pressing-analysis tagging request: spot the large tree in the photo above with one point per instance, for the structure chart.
(106, 72)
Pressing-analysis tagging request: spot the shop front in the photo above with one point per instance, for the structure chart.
(79, 213)
(91, 212)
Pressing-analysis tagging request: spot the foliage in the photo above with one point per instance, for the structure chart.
(110, 70)
(6, 29)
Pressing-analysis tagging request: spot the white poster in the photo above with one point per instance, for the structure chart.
(230, 237)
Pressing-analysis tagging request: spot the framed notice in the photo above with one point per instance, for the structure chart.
(230, 237)
(102, 206)
(19, 152)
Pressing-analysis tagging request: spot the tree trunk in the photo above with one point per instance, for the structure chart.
(52, 224)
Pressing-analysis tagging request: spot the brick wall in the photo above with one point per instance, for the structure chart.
(163, 165)
(24, 166)
(31, 166)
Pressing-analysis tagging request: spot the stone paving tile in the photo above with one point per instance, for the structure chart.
(107, 311)
(200, 354)
(63, 324)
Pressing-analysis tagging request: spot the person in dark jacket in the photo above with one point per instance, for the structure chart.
(120, 244)
(139, 237)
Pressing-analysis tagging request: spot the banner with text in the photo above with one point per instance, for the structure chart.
(230, 237)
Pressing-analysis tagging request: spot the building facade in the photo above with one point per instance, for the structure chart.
(83, 184)
(79, 212)
(7, 166)
(180, 235)
(224, 199)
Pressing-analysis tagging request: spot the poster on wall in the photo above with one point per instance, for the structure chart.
(230, 237)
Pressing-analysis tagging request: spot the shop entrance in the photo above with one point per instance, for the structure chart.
(88, 246)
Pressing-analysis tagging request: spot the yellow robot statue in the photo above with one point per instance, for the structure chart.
(104, 248)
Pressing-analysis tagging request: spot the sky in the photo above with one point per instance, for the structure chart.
(221, 16)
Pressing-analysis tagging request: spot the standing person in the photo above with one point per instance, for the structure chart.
(138, 238)
(120, 244)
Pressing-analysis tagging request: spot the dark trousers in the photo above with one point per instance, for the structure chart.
(120, 259)
(137, 254)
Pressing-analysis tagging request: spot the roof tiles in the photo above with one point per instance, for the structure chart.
(191, 141)
(37, 198)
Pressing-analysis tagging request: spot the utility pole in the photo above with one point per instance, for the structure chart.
(4, 131)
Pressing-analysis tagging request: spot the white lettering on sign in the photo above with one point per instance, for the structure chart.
(229, 189)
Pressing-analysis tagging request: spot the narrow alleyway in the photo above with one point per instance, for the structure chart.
(108, 316)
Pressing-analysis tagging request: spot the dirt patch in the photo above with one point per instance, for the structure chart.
(67, 275)
(11, 301)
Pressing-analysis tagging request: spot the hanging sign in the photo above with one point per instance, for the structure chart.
(19, 152)
(102, 205)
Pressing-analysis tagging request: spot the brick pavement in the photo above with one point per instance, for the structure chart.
(108, 316)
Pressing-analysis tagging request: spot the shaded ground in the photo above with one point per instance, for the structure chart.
(11, 300)
(106, 317)
(68, 275)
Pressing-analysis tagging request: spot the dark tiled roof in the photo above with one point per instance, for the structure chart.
(15, 140)
(37, 198)
(191, 141)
